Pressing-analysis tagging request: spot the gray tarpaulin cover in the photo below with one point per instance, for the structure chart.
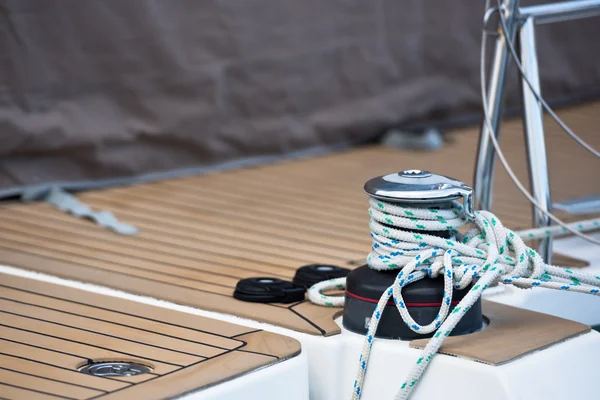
(109, 89)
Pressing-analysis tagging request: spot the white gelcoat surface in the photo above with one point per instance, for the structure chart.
(450, 378)
(287, 380)
(332, 361)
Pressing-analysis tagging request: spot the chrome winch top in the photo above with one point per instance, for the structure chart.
(419, 186)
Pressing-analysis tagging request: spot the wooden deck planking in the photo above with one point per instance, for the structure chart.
(200, 234)
(47, 331)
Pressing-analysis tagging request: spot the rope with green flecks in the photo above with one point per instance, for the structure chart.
(487, 253)
(540, 233)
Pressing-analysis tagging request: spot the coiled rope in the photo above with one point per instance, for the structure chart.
(487, 253)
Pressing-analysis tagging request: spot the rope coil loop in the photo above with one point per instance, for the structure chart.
(485, 254)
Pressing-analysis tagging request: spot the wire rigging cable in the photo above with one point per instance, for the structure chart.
(522, 75)
(491, 136)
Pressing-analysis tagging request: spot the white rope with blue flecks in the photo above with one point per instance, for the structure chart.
(487, 253)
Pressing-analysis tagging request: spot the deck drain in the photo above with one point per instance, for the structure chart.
(114, 369)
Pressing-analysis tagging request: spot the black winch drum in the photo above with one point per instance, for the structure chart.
(423, 299)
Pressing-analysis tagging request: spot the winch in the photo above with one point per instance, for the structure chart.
(423, 298)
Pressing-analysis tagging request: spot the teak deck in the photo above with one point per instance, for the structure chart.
(200, 235)
(47, 331)
(512, 333)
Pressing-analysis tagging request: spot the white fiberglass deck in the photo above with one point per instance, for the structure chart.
(331, 361)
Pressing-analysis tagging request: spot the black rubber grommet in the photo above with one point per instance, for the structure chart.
(268, 290)
(310, 274)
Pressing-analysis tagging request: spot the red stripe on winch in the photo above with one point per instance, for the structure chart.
(391, 302)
